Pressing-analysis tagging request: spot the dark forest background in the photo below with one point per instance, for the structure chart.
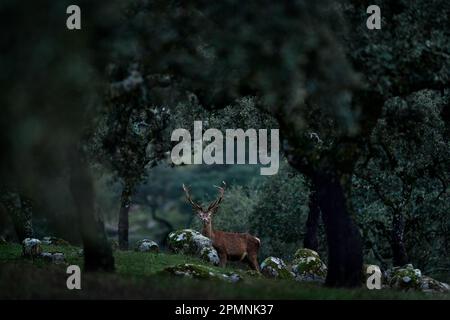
(86, 118)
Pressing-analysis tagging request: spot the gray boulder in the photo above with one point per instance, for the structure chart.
(147, 245)
(188, 241)
(273, 267)
(431, 285)
(307, 266)
(54, 257)
(404, 278)
(31, 247)
(210, 255)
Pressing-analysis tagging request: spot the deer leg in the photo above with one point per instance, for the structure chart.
(253, 261)
(223, 259)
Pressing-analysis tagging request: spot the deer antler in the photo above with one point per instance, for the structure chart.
(215, 204)
(188, 197)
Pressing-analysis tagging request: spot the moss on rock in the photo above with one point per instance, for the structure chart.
(404, 278)
(210, 255)
(305, 253)
(187, 241)
(273, 267)
(192, 242)
(307, 266)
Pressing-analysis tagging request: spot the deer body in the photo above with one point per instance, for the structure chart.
(229, 245)
(234, 246)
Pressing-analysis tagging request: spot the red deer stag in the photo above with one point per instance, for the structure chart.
(229, 245)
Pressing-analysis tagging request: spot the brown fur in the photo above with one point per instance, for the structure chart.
(234, 246)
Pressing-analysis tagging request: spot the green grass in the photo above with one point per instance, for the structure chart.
(138, 276)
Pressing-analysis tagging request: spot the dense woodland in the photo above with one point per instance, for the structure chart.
(364, 119)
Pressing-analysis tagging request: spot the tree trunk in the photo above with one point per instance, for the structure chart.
(97, 251)
(344, 241)
(123, 216)
(20, 211)
(164, 222)
(400, 256)
(312, 224)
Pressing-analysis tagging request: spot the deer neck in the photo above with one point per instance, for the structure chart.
(208, 230)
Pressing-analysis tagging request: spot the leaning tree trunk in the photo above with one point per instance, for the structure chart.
(343, 238)
(19, 209)
(97, 251)
(400, 256)
(312, 223)
(123, 226)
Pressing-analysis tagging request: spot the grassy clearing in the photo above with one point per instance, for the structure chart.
(137, 277)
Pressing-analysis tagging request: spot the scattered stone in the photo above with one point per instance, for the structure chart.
(147, 245)
(431, 285)
(307, 266)
(202, 272)
(54, 241)
(54, 257)
(273, 267)
(31, 247)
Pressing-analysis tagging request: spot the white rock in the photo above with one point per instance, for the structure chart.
(31, 247)
(147, 245)
(54, 257)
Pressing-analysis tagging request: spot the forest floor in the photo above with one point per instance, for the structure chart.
(138, 276)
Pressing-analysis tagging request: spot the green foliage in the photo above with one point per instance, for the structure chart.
(279, 217)
(410, 53)
(405, 173)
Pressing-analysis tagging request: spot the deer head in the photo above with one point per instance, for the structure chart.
(206, 214)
